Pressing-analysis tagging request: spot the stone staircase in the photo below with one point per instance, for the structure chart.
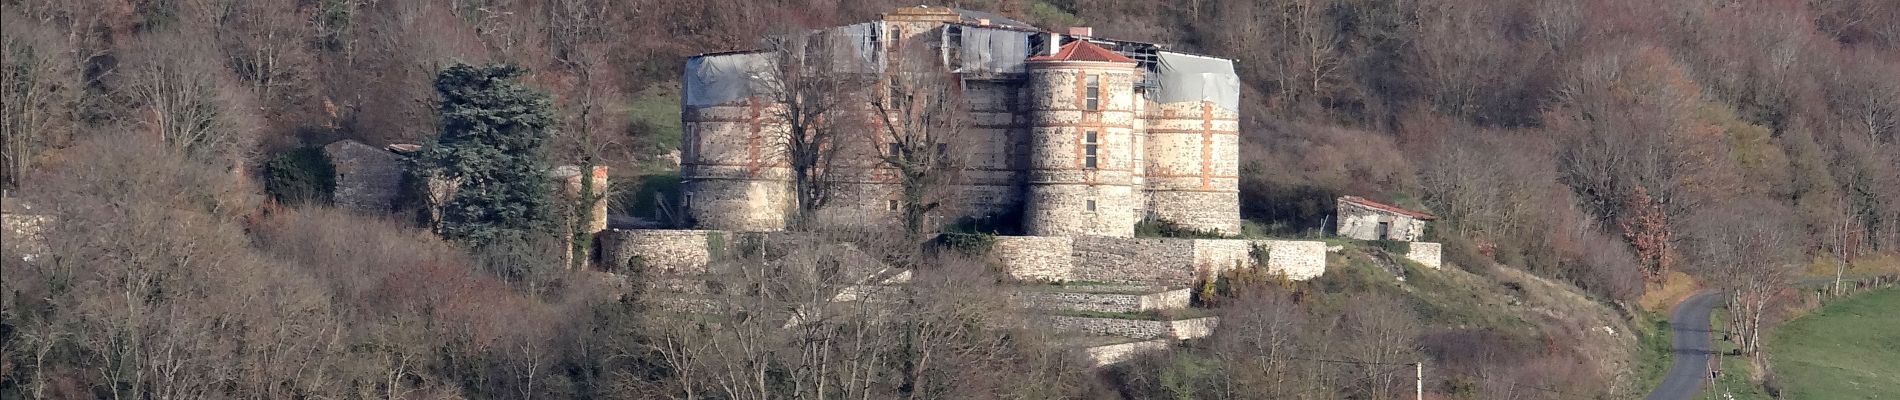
(1113, 323)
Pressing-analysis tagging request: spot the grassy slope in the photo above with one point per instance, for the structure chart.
(1846, 350)
(1735, 380)
(1654, 349)
(1508, 301)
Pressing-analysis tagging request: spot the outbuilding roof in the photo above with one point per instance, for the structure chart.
(1386, 207)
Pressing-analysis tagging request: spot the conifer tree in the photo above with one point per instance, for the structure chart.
(494, 132)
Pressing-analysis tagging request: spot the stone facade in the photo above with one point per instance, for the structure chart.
(661, 251)
(1035, 258)
(1370, 220)
(367, 178)
(1027, 149)
(1426, 253)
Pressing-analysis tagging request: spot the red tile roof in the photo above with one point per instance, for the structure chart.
(1386, 207)
(1082, 50)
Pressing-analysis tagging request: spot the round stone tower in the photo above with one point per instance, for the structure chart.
(1081, 143)
(733, 180)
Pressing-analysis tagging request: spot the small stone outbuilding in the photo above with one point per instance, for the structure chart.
(368, 178)
(1370, 220)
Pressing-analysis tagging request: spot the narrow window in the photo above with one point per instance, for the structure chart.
(943, 150)
(1385, 231)
(1090, 145)
(1094, 99)
(687, 202)
(894, 150)
(890, 205)
(1091, 205)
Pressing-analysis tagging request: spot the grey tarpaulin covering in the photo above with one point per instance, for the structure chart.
(993, 50)
(724, 78)
(1188, 77)
(862, 40)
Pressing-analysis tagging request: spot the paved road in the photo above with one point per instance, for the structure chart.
(1690, 325)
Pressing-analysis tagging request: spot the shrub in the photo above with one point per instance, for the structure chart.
(300, 176)
(1395, 247)
(1155, 227)
(970, 244)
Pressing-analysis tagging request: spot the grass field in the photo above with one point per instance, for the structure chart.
(1847, 350)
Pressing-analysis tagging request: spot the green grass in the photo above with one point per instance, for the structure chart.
(1849, 349)
(1654, 349)
(656, 111)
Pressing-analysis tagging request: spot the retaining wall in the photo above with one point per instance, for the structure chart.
(1035, 258)
(661, 250)
(1133, 328)
(1426, 253)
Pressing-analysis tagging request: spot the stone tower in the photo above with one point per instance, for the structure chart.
(1081, 143)
(1191, 145)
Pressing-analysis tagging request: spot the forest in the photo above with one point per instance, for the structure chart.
(1621, 149)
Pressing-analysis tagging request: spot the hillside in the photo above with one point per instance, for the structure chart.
(1578, 154)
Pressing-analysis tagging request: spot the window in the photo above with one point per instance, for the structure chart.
(1090, 146)
(894, 150)
(1093, 101)
(1091, 205)
(943, 150)
(890, 205)
(687, 202)
(1385, 231)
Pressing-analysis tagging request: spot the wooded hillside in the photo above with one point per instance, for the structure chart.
(1602, 144)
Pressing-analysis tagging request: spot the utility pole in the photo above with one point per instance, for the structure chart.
(1418, 388)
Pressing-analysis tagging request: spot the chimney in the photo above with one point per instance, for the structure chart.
(1053, 45)
(1081, 31)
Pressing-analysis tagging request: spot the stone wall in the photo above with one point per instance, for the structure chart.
(1298, 259)
(24, 230)
(1213, 256)
(1157, 300)
(567, 181)
(662, 251)
(1182, 262)
(1426, 253)
(1115, 353)
(367, 178)
(1167, 262)
(1035, 258)
(1134, 328)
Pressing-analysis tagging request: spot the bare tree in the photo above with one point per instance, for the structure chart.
(184, 97)
(924, 117)
(814, 85)
(41, 85)
(1748, 249)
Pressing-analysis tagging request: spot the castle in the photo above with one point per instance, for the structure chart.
(1073, 135)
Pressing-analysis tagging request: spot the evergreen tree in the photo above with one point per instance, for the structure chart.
(494, 132)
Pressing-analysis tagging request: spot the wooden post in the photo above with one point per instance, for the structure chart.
(1419, 387)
